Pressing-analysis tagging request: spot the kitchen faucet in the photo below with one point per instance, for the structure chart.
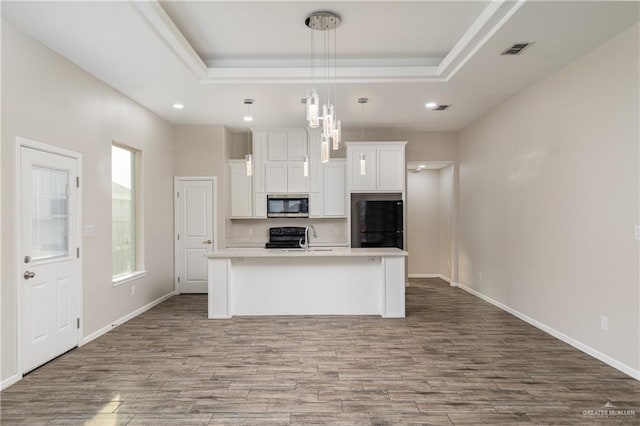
(305, 245)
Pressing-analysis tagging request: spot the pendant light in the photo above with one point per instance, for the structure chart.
(249, 157)
(363, 156)
(249, 160)
(331, 128)
(248, 103)
(305, 166)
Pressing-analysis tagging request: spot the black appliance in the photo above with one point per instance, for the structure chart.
(287, 205)
(285, 237)
(380, 224)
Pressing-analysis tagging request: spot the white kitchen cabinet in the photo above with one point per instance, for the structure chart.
(315, 205)
(296, 181)
(275, 181)
(241, 190)
(334, 183)
(390, 168)
(277, 146)
(286, 145)
(259, 159)
(285, 178)
(296, 145)
(357, 180)
(259, 205)
(385, 166)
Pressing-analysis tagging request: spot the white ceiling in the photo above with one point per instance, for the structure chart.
(399, 54)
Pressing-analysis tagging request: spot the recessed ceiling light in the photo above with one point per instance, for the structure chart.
(431, 105)
(421, 166)
(248, 118)
(178, 106)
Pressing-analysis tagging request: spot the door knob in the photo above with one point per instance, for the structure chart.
(206, 242)
(28, 275)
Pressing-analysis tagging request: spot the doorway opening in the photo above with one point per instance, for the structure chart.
(431, 220)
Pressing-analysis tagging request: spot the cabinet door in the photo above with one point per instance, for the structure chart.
(390, 168)
(259, 159)
(259, 205)
(315, 169)
(277, 146)
(296, 146)
(358, 181)
(275, 178)
(334, 180)
(315, 204)
(296, 181)
(241, 189)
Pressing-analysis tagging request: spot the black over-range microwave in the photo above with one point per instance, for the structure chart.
(287, 205)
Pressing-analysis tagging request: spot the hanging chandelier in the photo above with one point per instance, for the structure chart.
(327, 22)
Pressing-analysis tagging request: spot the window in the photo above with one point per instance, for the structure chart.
(124, 214)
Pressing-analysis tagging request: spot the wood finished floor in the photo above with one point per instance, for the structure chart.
(453, 360)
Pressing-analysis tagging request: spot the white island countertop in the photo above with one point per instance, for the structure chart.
(313, 252)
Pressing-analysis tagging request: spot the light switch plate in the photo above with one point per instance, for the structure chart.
(88, 231)
(636, 232)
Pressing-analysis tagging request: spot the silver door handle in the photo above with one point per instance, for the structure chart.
(206, 242)
(28, 275)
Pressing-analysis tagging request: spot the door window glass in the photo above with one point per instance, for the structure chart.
(50, 221)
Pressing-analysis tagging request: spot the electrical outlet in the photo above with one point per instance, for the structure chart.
(133, 290)
(604, 323)
(250, 231)
(336, 231)
(480, 276)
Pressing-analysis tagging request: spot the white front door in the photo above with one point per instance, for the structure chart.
(50, 273)
(194, 234)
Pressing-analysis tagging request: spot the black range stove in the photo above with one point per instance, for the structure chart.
(285, 237)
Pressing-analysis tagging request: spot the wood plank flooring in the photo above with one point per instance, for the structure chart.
(454, 360)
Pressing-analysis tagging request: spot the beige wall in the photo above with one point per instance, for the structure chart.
(202, 151)
(48, 99)
(423, 194)
(445, 221)
(549, 195)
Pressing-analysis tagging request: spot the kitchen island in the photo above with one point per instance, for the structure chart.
(321, 281)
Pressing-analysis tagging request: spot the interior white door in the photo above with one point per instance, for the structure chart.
(50, 276)
(195, 234)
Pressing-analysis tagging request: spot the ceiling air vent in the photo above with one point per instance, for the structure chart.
(516, 49)
(441, 107)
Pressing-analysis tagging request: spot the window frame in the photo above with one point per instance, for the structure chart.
(136, 176)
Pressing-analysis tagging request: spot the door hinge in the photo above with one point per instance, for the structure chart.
(178, 236)
(78, 252)
(77, 181)
(78, 323)
(178, 279)
(177, 194)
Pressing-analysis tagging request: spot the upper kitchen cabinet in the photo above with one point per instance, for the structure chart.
(286, 145)
(376, 166)
(240, 190)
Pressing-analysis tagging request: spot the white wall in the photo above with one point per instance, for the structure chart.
(549, 196)
(445, 221)
(423, 195)
(48, 99)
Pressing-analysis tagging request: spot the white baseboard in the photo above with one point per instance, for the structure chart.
(555, 333)
(9, 381)
(443, 277)
(124, 319)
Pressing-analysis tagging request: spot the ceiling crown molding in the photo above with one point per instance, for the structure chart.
(492, 18)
